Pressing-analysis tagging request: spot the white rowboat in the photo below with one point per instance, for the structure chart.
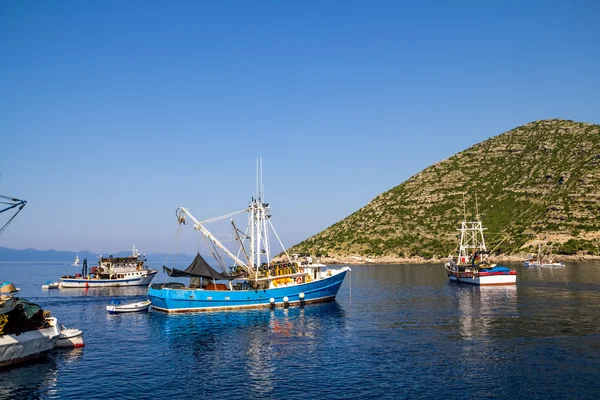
(126, 308)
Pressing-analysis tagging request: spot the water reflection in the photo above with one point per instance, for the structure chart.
(126, 291)
(481, 308)
(31, 380)
(406, 333)
(67, 356)
(262, 342)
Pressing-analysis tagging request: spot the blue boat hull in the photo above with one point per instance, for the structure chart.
(191, 300)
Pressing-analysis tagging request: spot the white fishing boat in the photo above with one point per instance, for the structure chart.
(118, 308)
(50, 285)
(27, 331)
(112, 271)
(542, 259)
(76, 263)
(70, 338)
(471, 265)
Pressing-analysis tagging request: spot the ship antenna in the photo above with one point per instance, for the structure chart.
(256, 191)
(476, 208)
(464, 209)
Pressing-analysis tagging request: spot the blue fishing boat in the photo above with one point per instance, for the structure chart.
(256, 281)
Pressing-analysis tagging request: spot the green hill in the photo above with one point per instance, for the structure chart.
(539, 182)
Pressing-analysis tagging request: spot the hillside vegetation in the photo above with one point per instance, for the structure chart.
(537, 183)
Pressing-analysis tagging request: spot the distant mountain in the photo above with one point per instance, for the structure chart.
(536, 184)
(33, 255)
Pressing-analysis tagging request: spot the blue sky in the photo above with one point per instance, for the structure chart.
(113, 114)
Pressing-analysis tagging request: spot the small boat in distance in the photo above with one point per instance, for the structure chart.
(112, 271)
(76, 263)
(542, 260)
(50, 285)
(255, 281)
(117, 308)
(471, 265)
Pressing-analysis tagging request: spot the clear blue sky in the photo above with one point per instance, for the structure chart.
(114, 113)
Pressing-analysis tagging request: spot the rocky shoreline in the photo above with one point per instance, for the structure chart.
(359, 260)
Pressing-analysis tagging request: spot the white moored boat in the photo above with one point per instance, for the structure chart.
(26, 330)
(127, 308)
(112, 271)
(50, 285)
(70, 338)
(542, 260)
(472, 266)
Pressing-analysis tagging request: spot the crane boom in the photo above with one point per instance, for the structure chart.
(182, 212)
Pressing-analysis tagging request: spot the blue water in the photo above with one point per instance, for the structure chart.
(395, 332)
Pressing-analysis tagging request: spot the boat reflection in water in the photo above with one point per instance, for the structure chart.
(263, 343)
(480, 308)
(125, 291)
(35, 379)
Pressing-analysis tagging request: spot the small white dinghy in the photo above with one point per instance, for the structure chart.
(50, 285)
(126, 308)
(70, 338)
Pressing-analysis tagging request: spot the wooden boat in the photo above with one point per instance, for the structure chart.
(50, 285)
(70, 338)
(127, 308)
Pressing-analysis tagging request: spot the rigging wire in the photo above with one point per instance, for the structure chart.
(173, 242)
(12, 203)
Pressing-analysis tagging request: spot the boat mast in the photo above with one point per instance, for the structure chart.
(471, 236)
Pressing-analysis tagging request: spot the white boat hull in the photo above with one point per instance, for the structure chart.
(489, 280)
(141, 279)
(54, 285)
(29, 345)
(537, 264)
(127, 308)
(70, 338)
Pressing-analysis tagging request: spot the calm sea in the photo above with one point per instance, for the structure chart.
(395, 331)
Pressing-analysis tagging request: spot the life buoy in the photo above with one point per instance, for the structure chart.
(299, 280)
(301, 270)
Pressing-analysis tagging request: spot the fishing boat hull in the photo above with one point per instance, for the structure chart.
(16, 349)
(484, 279)
(133, 280)
(174, 300)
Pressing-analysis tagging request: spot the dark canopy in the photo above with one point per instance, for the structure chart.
(199, 268)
